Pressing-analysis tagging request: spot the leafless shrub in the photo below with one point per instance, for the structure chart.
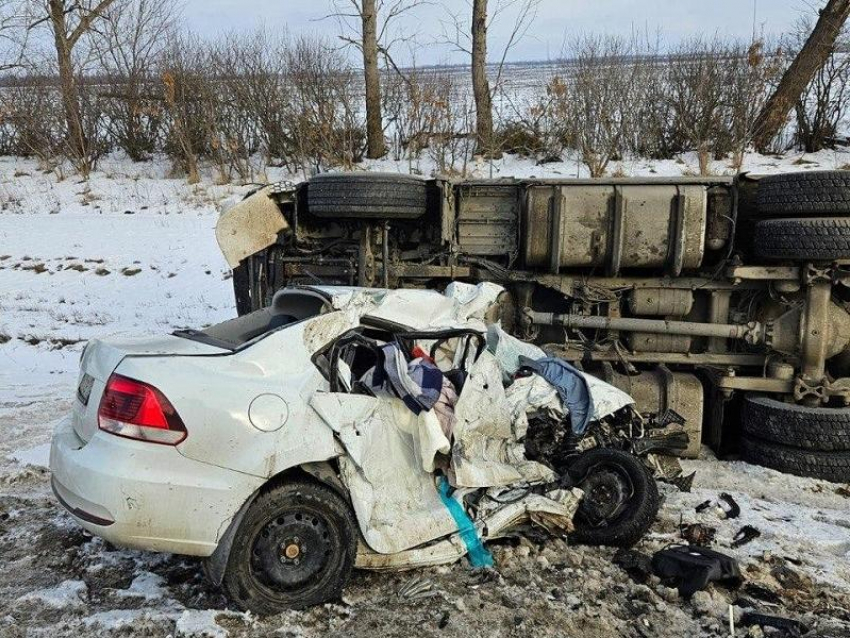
(697, 84)
(824, 103)
(598, 97)
(129, 45)
(539, 127)
(252, 70)
(752, 70)
(321, 110)
(183, 82)
(31, 120)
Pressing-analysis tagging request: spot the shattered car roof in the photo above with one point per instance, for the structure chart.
(460, 306)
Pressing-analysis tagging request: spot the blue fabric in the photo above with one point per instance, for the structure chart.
(571, 385)
(418, 383)
(479, 556)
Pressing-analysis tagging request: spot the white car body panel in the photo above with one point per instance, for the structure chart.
(158, 499)
(213, 396)
(255, 411)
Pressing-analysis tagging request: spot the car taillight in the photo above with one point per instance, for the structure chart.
(137, 410)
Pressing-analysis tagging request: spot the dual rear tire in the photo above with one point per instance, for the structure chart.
(804, 217)
(796, 439)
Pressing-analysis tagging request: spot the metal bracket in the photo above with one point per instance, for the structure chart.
(823, 390)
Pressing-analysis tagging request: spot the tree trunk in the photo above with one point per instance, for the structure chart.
(77, 142)
(480, 84)
(376, 146)
(811, 57)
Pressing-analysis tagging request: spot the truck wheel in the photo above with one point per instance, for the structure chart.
(367, 196)
(620, 499)
(829, 466)
(818, 193)
(803, 239)
(817, 429)
(295, 548)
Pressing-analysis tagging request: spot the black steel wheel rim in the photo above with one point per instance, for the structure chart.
(608, 489)
(292, 550)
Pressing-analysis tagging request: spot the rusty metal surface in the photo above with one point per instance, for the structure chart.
(487, 218)
(618, 227)
(250, 226)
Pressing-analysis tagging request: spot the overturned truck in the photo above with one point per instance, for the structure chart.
(723, 299)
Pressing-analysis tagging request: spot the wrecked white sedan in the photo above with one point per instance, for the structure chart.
(341, 428)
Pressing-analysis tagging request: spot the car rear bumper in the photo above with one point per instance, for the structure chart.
(144, 495)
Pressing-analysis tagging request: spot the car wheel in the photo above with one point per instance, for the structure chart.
(818, 429)
(803, 239)
(816, 193)
(830, 466)
(367, 196)
(620, 499)
(295, 548)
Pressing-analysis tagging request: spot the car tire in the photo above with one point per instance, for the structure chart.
(294, 548)
(829, 466)
(803, 239)
(631, 524)
(816, 193)
(817, 429)
(367, 196)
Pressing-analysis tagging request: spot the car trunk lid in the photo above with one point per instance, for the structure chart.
(101, 358)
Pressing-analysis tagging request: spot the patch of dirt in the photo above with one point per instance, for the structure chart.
(540, 588)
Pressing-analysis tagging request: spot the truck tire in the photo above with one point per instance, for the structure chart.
(817, 193)
(816, 429)
(367, 196)
(294, 548)
(803, 239)
(604, 471)
(829, 466)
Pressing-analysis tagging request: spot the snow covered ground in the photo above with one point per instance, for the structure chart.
(131, 252)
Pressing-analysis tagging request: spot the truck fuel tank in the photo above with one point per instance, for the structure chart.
(615, 226)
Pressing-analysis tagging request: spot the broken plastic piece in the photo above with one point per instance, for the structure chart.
(731, 509)
(790, 627)
(668, 417)
(674, 443)
(690, 569)
(636, 564)
(479, 556)
(684, 483)
(697, 533)
(762, 594)
(746, 534)
(416, 589)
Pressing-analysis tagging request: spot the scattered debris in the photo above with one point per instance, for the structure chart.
(690, 569)
(416, 589)
(762, 594)
(703, 506)
(792, 628)
(787, 577)
(746, 534)
(727, 506)
(636, 564)
(697, 533)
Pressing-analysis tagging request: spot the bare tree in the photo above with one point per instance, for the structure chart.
(13, 33)
(813, 54)
(480, 83)
(374, 121)
(371, 22)
(471, 38)
(69, 22)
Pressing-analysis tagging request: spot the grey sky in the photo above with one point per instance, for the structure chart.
(557, 20)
